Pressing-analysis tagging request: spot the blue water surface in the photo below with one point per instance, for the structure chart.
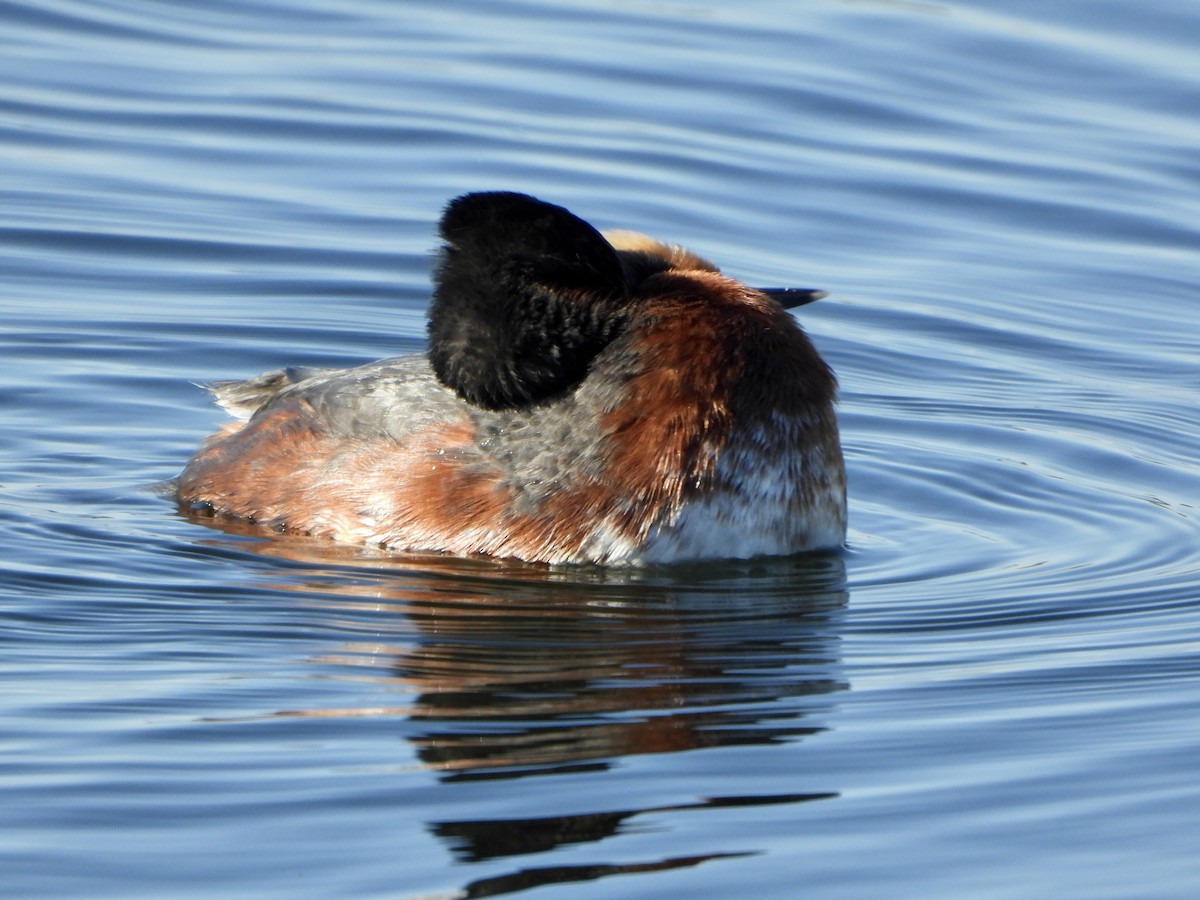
(995, 690)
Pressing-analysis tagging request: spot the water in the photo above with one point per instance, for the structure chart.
(992, 693)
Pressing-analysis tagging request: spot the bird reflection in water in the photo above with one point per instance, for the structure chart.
(518, 671)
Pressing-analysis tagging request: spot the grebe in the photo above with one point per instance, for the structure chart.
(585, 398)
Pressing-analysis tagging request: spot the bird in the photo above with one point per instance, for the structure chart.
(586, 398)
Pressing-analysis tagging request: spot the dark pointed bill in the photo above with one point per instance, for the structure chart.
(790, 298)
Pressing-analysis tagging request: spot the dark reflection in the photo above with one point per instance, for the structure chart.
(477, 841)
(480, 841)
(532, 878)
(516, 671)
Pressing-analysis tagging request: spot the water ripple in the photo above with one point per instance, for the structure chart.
(1001, 202)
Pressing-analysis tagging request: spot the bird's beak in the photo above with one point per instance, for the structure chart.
(790, 298)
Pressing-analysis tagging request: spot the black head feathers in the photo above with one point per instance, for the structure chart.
(526, 294)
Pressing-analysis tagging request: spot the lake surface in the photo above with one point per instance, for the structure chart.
(995, 690)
